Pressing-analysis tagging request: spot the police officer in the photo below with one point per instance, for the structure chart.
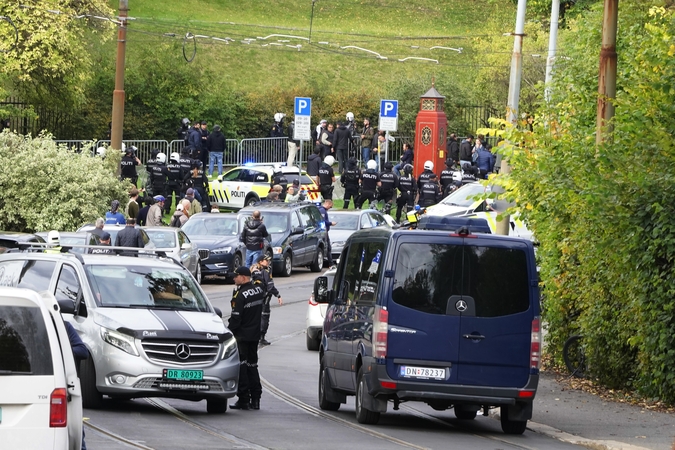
(184, 131)
(159, 177)
(370, 180)
(430, 192)
(388, 185)
(263, 271)
(278, 132)
(186, 164)
(448, 178)
(350, 180)
(428, 170)
(200, 183)
(279, 178)
(468, 174)
(244, 323)
(174, 178)
(128, 165)
(407, 187)
(148, 166)
(326, 177)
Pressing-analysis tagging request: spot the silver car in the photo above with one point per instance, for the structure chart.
(348, 222)
(178, 246)
(149, 328)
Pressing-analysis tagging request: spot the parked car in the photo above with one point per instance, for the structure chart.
(218, 234)
(316, 312)
(40, 398)
(297, 234)
(178, 246)
(447, 318)
(114, 229)
(74, 238)
(149, 328)
(249, 184)
(350, 221)
(462, 201)
(10, 240)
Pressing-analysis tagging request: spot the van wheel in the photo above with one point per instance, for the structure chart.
(463, 414)
(511, 426)
(312, 344)
(364, 415)
(91, 397)
(287, 269)
(317, 265)
(216, 406)
(324, 387)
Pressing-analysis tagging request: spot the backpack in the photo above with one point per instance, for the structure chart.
(175, 222)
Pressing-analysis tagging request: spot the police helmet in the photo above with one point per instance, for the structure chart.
(185, 122)
(428, 165)
(131, 149)
(279, 116)
(350, 116)
(388, 165)
(351, 162)
(371, 164)
(329, 160)
(408, 168)
(449, 163)
(186, 150)
(100, 152)
(53, 237)
(154, 152)
(175, 156)
(161, 158)
(277, 168)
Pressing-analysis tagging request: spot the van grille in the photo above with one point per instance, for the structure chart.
(183, 352)
(204, 253)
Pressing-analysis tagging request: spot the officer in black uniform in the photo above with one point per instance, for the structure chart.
(244, 323)
(448, 178)
(350, 180)
(388, 185)
(279, 178)
(263, 272)
(128, 165)
(407, 187)
(430, 192)
(159, 177)
(184, 131)
(468, 174)
(370, 180)
(148, 166)
(326, 178)
(428, 170)
(186, 163)
(174, 179)
(200, 183)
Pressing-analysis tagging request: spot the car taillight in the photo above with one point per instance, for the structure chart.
(380, 329)
(58, 408)
(535, 345)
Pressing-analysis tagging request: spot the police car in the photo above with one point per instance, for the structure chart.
(248, 184)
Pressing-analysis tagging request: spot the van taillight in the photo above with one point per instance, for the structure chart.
(58, 408)
(535, 345)
(380, 328)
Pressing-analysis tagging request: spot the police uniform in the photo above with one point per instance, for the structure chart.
(408, 190)
(278, 132)
(148, 184)
(429, 192)
(350, 179)
(423, 177)
(447, 181)
(244, 323)
(389, 183)
(159, 176)
(369, 182)
(200, 183)
(174, 180)
(280, 179)
(186, 164)
(326, 176)
(265, 276)
(468, 175)
(128, 168)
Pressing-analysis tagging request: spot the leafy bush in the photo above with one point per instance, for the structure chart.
(50, 187)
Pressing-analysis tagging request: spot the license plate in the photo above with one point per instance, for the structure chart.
(422, 372)
(183, 374)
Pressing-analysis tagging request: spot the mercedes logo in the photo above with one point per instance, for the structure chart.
(460, 306)
(183, 351)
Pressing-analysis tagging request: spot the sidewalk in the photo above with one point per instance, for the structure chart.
(581, 418)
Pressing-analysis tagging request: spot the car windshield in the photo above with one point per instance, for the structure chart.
(161, 238)
(344, 221)
(217, 226)
(465, 195)
(145, 287)
(274, 222)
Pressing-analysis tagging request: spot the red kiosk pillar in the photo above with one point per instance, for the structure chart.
(431, 129)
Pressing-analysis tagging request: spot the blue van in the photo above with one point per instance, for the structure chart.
(450, 319)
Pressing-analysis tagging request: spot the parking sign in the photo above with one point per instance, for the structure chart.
(388, 115)
(303, 113)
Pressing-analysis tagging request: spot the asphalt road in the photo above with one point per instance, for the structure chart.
(290, 418)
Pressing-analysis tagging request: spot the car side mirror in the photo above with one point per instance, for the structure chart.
(321, 293)
(297, 230)
(186, 246)
(67, 306)
(219, 313)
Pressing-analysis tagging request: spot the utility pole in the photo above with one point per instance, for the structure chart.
(607, 76)
(514, 93)
(552, 47)
(118, 93)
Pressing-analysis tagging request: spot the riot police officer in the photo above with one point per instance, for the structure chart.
(407, 187)
(430, 193)
(174, 179)
(279, 178)
(184, 131)
(148, 166)
(200, 183)
(278, 132)
(370, 180)
(128, 165)
(448, 183)
(350, 180)
(388, 185)
(428, 170)
(469, 174)
(186, 164)
(326, 178)
(158, 176)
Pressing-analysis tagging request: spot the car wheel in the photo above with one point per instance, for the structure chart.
(511, 426)
(252, 200)
(236, 262)
(198, 272)
(317, 265)
(216, 406)
(324, 387)
(463, 414)
(312, 344)
(288, 265)
(364, 415)
(91, 397)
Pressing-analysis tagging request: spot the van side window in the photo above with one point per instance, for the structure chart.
(24, 342)
(68, 286)
(30, 274)
(363, 271)
(295, 222)
(306, 217)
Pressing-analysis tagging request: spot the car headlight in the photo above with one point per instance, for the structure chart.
(276, 250)
(229, 348)
(222, 250)
(119, 340)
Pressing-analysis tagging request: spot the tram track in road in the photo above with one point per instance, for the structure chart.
(116, 437)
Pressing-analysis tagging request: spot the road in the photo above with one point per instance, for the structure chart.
(289, 417)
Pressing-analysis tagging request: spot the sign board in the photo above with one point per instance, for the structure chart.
(388, 115)
(303, 114)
